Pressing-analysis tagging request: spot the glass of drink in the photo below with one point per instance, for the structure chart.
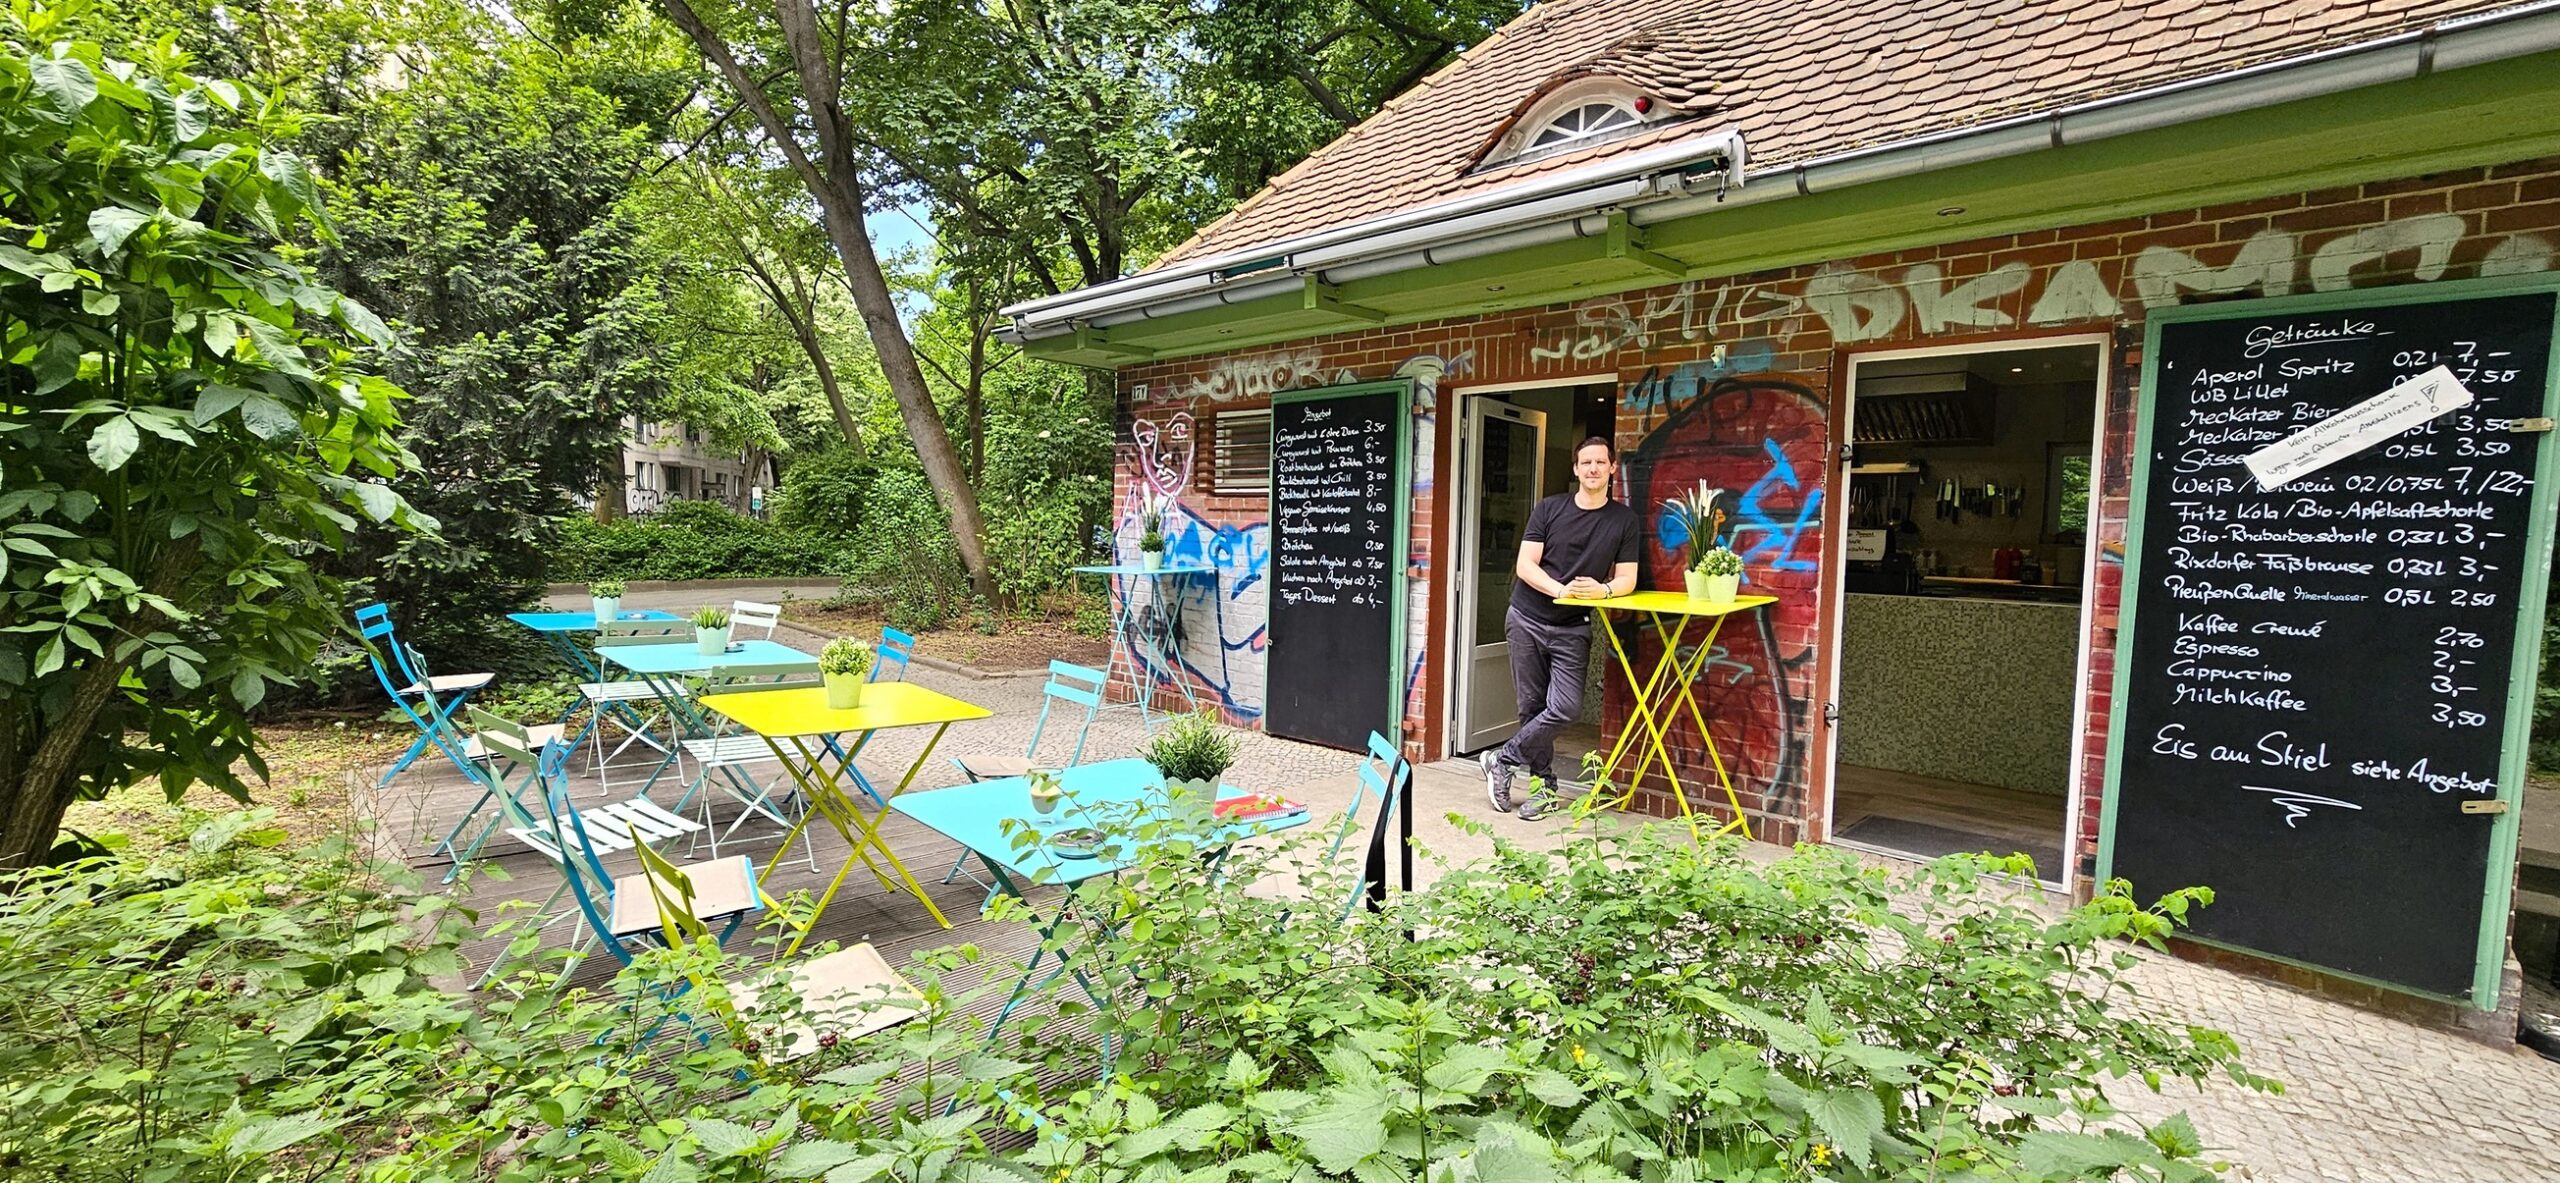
(1045, 792)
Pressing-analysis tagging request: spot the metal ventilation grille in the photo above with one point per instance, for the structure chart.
(1240, 453)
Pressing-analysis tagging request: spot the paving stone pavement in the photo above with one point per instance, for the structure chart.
(2367, 1099)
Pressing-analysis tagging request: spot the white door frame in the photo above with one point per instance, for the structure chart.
(1444, 585)
(1836, 575)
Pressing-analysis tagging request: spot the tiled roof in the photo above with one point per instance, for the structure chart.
(1799, 78)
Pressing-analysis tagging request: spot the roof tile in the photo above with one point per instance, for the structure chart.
(1800, 78)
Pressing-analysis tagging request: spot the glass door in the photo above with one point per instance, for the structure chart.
(1502, 471)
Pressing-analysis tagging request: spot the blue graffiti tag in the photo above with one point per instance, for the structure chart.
(1780, 547)
(1659, 390)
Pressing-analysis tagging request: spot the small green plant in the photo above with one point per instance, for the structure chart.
(1151, 525)
(1193, 747)
(605, 589)
(710, 618)
(846, 656)
(1719, 561)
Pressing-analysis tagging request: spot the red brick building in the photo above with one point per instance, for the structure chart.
(1711, 227)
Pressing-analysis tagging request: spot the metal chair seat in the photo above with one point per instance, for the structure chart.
(447, 684)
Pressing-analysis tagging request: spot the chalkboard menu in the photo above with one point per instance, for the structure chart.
(2314, 679)
(1338, 505)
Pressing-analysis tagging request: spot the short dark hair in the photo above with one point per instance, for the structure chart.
(1603, 441)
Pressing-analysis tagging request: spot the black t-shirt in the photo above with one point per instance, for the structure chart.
(1579, 542)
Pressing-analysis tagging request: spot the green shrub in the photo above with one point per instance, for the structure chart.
(689, 540)
(824, 494)
(902, 549)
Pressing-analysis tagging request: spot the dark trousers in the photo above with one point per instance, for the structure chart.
(1547, 664)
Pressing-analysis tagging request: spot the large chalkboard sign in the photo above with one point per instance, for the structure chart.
(2323, 688)
(1338, 513)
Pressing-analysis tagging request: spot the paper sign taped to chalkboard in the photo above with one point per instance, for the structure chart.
(2358, 427)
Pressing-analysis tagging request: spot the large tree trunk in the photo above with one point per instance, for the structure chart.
(831, 179)
(613, 498)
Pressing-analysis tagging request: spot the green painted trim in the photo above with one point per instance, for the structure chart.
(1626, 241)
(2496, 896)
(1319, 296)
(1086, 339)
(1400, 602)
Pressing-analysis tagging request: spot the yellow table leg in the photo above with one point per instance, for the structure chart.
(1684, 684)
(824, 788)
(1643, 713)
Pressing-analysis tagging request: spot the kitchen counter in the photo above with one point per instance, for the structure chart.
(1973, 690)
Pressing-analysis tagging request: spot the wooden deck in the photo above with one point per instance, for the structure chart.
(420, 805)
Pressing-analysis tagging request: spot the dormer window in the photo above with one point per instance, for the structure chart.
(1589, 121)
(1572, 115)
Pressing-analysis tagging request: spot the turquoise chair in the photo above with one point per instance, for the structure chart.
(1068, 682)
(442, 697)
(1385, 777)
(895, 649)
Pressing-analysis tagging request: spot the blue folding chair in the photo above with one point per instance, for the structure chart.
(442, 696)
(1384, 776)
(1080, 685)
(895, 648)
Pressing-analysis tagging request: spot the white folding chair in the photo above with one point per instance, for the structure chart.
(741, 763)
(624, 697)
(599, 829)
(747, 614)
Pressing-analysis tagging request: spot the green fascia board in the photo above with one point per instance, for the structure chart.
(2488, 114)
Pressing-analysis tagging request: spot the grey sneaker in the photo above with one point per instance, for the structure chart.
(1497, 780)
(1535, 807)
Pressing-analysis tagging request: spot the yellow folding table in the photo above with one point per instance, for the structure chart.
(801, 718)
(1667, 687)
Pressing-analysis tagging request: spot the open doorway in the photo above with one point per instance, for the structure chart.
(1512, 447)
(1964, 585)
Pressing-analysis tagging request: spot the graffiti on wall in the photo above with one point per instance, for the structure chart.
(1763, 435)
(1165, 451)
(1854, 304)
(1253, 375)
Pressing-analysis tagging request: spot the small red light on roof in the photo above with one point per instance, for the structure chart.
(1644, 106)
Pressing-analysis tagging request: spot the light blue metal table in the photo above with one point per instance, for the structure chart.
(559, 627)
(1159, 638)
(662, 666)
(975, 816)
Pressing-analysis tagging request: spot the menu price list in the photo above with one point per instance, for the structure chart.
(2320, 670)
(1332, 465)
(1334, 474)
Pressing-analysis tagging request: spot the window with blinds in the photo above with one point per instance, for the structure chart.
(1240, 453)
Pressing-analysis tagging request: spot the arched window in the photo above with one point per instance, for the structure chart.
(1588, 121)
(1570, 116)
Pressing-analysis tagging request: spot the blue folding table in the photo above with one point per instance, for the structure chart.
(1158, 637)
(664, 666)
(975, 816)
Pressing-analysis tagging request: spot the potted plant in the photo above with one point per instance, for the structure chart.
(1699, 522)
(1192, 752)
(1151, 535)
(607, 594)
(843, 663)
(1717, 576)
(710, 629)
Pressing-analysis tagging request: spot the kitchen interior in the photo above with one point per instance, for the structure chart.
(1968, 498)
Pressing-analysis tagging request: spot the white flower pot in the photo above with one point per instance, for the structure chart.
(1152, 560)
(1721, 588)
(844, 691)
(1202, 790)
(711, 640)
(1696, 582)
(607, 609)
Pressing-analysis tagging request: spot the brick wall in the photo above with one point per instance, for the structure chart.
(1731, 381)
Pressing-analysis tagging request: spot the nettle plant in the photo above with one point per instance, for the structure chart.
(1630, 1007)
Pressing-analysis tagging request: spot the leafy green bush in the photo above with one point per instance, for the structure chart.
(689, 540)
(1631, 1007)
(824, 494)
(902, 549)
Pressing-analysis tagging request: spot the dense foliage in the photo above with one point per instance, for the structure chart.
(1631, 1008)
(185, 426)
(691, 540)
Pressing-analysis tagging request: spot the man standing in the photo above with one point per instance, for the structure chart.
(1579, 544)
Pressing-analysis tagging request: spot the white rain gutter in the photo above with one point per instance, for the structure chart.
(1666, 182)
